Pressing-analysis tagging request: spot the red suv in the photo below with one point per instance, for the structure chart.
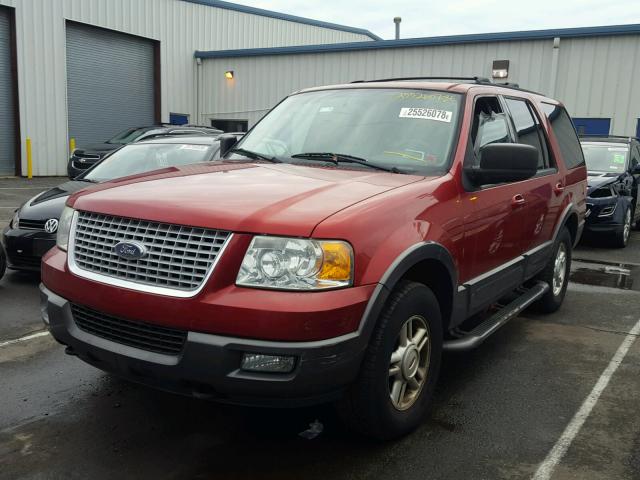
(353, 235)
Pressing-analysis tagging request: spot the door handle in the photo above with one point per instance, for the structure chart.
(558, 188)
(517, 200)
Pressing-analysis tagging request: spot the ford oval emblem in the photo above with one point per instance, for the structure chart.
(130, 250)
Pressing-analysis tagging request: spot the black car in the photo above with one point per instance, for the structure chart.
(87, 156)
(3, 261)
(613, 165)
(32, 231)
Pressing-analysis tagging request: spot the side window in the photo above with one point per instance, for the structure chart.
(490, 124)
(635, 156)
(566, 134)
(528, 128)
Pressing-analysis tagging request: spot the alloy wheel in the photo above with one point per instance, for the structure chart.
(559, 269)
(409, 363)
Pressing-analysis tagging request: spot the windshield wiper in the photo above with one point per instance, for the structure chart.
(254, 155)
(343, 157)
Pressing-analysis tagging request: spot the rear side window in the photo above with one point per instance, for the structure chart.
(565, 132)
(528, 129)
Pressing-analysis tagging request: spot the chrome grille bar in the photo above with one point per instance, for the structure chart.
(179, 259)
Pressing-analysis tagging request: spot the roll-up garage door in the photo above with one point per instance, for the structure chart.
(110, 83)
(8, 137)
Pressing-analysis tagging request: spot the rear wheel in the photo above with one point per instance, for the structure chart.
(621, 237)
(400, 368)
(556, 274)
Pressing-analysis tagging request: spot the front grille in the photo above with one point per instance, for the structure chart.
(178, 257)
(31, 224)
(88, 156)
(144, 336)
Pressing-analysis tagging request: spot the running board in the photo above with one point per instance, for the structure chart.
(483, 331)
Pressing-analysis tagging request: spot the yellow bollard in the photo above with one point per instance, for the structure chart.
(72, 145)
(29, 160)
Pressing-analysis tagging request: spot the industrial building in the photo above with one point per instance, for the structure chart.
(87, 69)
(594, 70)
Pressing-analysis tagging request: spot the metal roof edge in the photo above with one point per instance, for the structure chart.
(283, 16)
(427, 41)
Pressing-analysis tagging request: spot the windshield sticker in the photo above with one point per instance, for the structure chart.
(617, 149)
(197, 148)
(438, 97)
(426, 114)
(325, 109)
(618, 158)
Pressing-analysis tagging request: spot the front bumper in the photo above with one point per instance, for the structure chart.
(608, 223)
(25, 248)
(209, 365)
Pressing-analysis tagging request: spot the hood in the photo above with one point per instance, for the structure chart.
(49, 204)
(98, 148)
(596, 180)
(258, 198)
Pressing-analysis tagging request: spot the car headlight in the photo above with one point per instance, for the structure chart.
(15, 221)
(64, 228)
(296, 264)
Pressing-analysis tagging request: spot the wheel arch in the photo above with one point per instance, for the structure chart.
(428, 263)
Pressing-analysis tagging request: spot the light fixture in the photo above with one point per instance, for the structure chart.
(500, 69)
(258, 362)
(228, 74)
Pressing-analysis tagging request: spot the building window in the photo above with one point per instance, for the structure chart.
(178, 118)
(592, 126)
(230, 125)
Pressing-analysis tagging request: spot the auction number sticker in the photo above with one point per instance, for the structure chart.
(426, 114)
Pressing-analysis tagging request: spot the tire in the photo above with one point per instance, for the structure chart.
(367, 407)
(552, 300)
(3, 262)
(621, 237)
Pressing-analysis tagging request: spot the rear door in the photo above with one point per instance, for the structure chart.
(567, 146)
(543, 193)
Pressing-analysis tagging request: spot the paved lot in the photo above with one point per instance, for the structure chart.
(499, 410)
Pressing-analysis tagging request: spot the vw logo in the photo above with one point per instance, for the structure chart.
(51, 225)
(130, 250)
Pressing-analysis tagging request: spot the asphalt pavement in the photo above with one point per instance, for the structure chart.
(500, 412)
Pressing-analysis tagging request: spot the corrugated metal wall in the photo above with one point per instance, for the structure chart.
(109, 83)
(595, 76)
(181, 27)
(7, 113)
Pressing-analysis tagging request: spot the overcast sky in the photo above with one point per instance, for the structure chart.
(424, 18)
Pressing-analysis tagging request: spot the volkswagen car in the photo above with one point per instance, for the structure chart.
(32, 231)
(613, 165)
(85, 157)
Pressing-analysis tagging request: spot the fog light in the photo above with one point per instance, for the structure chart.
(258, 362)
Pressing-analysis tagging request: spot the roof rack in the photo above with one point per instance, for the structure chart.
(482, 80)
(476, 80)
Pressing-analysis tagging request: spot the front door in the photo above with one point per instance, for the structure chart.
(496, 213)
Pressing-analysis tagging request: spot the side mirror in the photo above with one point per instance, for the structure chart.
(504, 162)
(226, 143)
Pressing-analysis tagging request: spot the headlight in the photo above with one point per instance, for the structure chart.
(296, 264)
(15, 221)
(64, 228)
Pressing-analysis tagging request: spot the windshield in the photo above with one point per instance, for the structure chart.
(139, 158)
(605, 157)
(128, 135)
(408, 130)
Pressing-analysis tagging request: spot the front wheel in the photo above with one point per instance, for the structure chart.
(556, 274)
(621, 237)
(400, 368)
